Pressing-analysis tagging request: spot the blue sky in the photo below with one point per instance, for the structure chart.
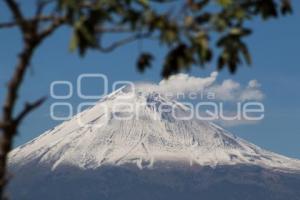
(275, 47)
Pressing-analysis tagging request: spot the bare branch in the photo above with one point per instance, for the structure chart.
(18, 16)
(16, 81)
(28, 108)
(52, 27)
(124, 41)
(41, 4)
(15, 9)
(7, 25)
(40, 18)
(8, 126)
(113, 30)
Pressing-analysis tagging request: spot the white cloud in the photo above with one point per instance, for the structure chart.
(229, 90)
(252, 92)
(183, 83)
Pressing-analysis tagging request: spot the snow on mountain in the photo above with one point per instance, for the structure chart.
(111, 151)
(109, 133)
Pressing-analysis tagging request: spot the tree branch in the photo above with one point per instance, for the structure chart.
(124, 41)
(41, 4)
(7, 25)
(14, 7)
(8, 125)
(28, 108)
(113, 30)
(39, 18)
(55, 24)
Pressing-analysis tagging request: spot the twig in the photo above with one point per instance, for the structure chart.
(119, 43)
(28, 108)
(55, 24)
(7, 25)
(38, 12)
(30, 20)
(14, 7)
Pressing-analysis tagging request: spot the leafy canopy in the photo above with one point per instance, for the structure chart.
(186, 31)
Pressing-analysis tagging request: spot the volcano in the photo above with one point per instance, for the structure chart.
(138, 144)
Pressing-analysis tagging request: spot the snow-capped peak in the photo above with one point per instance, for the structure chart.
(156, 130)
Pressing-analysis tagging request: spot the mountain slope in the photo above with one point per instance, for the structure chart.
(96, 151)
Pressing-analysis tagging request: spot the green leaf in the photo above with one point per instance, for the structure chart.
(286, 7)
(225, 3)
(239, 31)
(73, 43)
(144, 61)
(188, 21)
(240, 14)
(82, 29)
(245, 53)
